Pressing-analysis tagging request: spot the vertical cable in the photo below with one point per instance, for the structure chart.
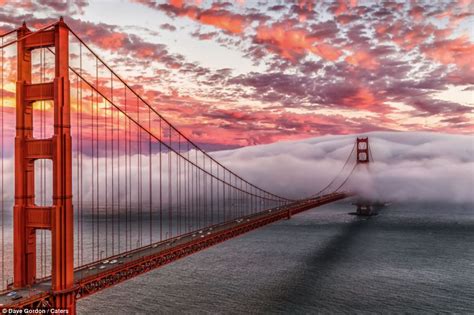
(241, 195)
(119, 195)
(193, 197)
(150, 178)
(196, 177)
(170, 193)
(93, 162)
(140, 174)
(130, 184)
(198, 171)
(127, 121)
(106, 140)
(81, 205)
(188, 192)
(178, 187)
(97, 177)
(161, 185)
(204, 188)
(223, 195)
(76, 128)
(113, 158)
(127, 187)
(218, 193)
(212, 196)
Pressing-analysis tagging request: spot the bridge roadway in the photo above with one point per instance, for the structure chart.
(99, 275)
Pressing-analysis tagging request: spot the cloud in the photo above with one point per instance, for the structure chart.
(303, 68)
(293, 43)
(456, 51)
(167, 26)
(216, 16)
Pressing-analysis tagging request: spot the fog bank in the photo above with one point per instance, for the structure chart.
(409, 166)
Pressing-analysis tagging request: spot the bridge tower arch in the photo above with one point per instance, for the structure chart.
(362, 150)
(28, 216)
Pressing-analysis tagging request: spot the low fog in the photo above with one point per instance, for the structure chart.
(409, 166)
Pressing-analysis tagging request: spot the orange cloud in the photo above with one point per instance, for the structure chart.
(327, 52)
(232, 23)
(215, 16)
(362, 99)
(293, 43)
(177, 3)
(458, 51)
(342, 6)
(362, 59)
(114, 40)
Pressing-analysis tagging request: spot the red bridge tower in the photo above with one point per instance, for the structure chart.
(363, 150)
(29, 217)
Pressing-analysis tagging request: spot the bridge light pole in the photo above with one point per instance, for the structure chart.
(28, 216)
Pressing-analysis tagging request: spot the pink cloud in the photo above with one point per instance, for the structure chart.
(293, 43)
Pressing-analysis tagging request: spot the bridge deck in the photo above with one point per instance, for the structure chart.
(108, 272)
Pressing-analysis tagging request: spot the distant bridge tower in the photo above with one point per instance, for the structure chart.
(362, 150)
(28, 216)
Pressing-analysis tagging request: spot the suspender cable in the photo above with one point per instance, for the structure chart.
(161, 185)
(223, 194)
(81, 204)
(194, 195)
(204, 191)
(115, 169)
(92, 143)
(188, 199)
(198, 198)
(187, 184)
(140, 186)
(129, 183)
(170, 193)
(178, 187)
(77, 167)
(218, 196)
(212, 198)
(119, 195)
(150, 179)
(97, 177)
(113, 162)
(126, 170)
(106, 152)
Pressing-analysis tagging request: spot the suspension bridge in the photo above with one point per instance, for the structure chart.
(105, 188)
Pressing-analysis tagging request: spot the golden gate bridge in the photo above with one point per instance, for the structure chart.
(105, 188)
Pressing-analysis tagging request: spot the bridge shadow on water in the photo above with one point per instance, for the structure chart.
(299, 289)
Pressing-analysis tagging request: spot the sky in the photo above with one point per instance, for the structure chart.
(239, 73)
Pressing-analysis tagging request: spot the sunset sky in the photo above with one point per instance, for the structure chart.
(241, 73)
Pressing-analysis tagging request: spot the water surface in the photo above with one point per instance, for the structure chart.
(415, 258)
